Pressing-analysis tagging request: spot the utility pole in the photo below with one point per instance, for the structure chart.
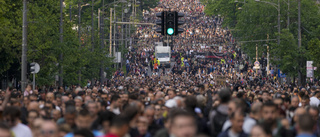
(79, 29)
(288, 14)
(61, 44)
(268, 65)
(92, 26)
(110, 35)
(122, 27)
(24, 47)
(299, 40)
(279, 22)
(101, 20)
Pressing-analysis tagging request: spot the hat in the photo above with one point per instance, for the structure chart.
(142, 92)
(314, 101)
(171, 103)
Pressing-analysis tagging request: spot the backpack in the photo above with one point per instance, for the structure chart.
(218, 122)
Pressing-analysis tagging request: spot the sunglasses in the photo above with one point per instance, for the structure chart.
(47, 132)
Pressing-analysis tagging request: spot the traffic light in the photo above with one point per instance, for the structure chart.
(178, 22)
(161, 22)
(170, 20)
(32, 67)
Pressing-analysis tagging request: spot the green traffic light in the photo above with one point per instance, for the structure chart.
(170, 31)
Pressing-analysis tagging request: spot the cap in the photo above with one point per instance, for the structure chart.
(171, 103)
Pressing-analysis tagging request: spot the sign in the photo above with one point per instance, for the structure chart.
(36, 67)
(257, 63)
(117, 58)
(310, 69)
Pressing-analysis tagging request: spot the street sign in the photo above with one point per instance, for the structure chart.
(310, 69)
(257, 63)
(35, 68)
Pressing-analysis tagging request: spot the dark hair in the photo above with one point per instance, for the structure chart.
(4, 126)
(70, 103)
(114, 98)
(12, 111)
(306, 122)
(83, 132)
(269, 104)
(180, 112)
(237, 112)
(35, 111)
(107, 116)
(70, 110)
(130, 112)
(120, 121)
(225, 95)
(83, 112)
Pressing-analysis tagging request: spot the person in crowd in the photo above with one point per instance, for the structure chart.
(11, 116)
(182, 124)
(237, 119)
(306, 124)
(119, 126)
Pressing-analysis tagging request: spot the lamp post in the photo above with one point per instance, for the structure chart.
(277, 6)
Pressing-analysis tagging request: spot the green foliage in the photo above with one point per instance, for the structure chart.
(256, 20)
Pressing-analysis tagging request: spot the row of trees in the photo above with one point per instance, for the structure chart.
(252, 20)
(81, 59)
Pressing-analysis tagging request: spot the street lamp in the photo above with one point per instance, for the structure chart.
(277, 6)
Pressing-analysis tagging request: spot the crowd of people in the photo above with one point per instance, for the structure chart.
(219, 96)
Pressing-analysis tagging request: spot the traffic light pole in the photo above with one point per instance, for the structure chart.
(34, 82)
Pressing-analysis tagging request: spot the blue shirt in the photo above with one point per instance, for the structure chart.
(95, 133)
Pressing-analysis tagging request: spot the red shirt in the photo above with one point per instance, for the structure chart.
(111, 135)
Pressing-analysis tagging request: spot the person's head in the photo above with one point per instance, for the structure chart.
(183, 124)
(142, 125)
(314, 112)
(69, 115)
(265, 96)
(149, 114)
(11, 115)
(93, 108)
(106, 119)
(261, 130)
(158, 110)
(295, 101)
(306, 123)
(5, 130)
(104, 97)
(48, 129)
(32, 115)
(83, 133)
(237, 119)
(119, 126)
(83, 119)
(256, 110)
(33, 106)
(224, 95)
(171, 93)
(298, 112)
(56, 114)
(304, 101)
(269, 113)
(33, 98)
(78, 101)
(50, 96)
(116, 101)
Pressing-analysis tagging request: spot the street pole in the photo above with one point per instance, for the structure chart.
(79, 28)
(92, 26)
(114, 34)
(279, 22)
(61, 43)
(102, 42)
(110, 35)
(34, 81)
(122, 27)
(268, 65)
(256, 57)
(299, 40)
(288, 14)
(24, 47)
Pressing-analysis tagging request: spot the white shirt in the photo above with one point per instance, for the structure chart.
(21, 130)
